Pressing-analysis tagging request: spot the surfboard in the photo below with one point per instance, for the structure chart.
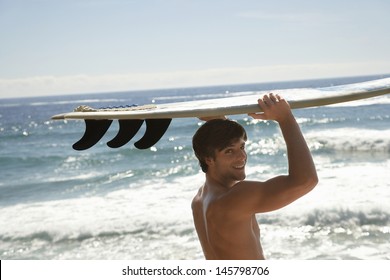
(158, 116)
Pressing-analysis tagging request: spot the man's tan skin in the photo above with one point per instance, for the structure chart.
(224, 208)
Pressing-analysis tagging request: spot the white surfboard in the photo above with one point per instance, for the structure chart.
(159, 116)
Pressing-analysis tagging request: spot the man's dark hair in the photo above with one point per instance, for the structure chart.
(215, 135)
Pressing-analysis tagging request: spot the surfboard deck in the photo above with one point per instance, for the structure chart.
(158, 116)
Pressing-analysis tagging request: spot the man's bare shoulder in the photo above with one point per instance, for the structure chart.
(241, 197)
(245, 186)
(197, 199)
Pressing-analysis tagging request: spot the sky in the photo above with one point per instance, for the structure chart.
(55, 47)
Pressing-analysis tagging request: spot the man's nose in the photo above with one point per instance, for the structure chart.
(242, 154)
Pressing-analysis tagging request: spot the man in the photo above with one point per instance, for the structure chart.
(225, 206)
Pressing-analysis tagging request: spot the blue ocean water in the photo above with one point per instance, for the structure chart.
(102, 203)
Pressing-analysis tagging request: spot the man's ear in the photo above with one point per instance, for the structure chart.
(209, 161)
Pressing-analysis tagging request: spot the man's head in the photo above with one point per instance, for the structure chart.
(215, 135)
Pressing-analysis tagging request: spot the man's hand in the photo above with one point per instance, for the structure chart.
(274, 107)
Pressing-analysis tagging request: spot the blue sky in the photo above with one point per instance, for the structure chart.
(53, 47)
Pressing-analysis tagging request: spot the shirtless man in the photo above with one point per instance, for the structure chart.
(224, 208)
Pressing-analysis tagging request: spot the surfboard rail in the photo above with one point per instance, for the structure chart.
(236, 105)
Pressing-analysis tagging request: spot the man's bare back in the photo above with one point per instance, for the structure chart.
(225, 206)
(237, 239)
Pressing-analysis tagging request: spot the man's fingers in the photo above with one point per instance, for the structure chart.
(273, 98)
(267, 100)
(272, 106)
(258, 116)
(263, 106)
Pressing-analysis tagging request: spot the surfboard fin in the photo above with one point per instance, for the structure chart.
(94, 131)
(127, 130)
(155, 129)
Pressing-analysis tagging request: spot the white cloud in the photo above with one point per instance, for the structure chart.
(51, 85)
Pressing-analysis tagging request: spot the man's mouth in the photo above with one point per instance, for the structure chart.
(238, 166)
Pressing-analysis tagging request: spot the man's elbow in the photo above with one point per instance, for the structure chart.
(306, 183)
(311, 181)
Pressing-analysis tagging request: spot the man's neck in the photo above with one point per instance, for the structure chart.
(219, 182)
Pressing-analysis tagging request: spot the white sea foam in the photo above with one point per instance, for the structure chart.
(123, 210)
(351, 140)
(141, 222)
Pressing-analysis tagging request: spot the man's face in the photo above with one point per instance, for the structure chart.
(230, 162)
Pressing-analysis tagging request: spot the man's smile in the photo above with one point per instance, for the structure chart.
(239, 166)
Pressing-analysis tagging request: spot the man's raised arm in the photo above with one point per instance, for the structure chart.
(302, 176)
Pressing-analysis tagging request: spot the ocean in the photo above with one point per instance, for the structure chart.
(129, 204)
